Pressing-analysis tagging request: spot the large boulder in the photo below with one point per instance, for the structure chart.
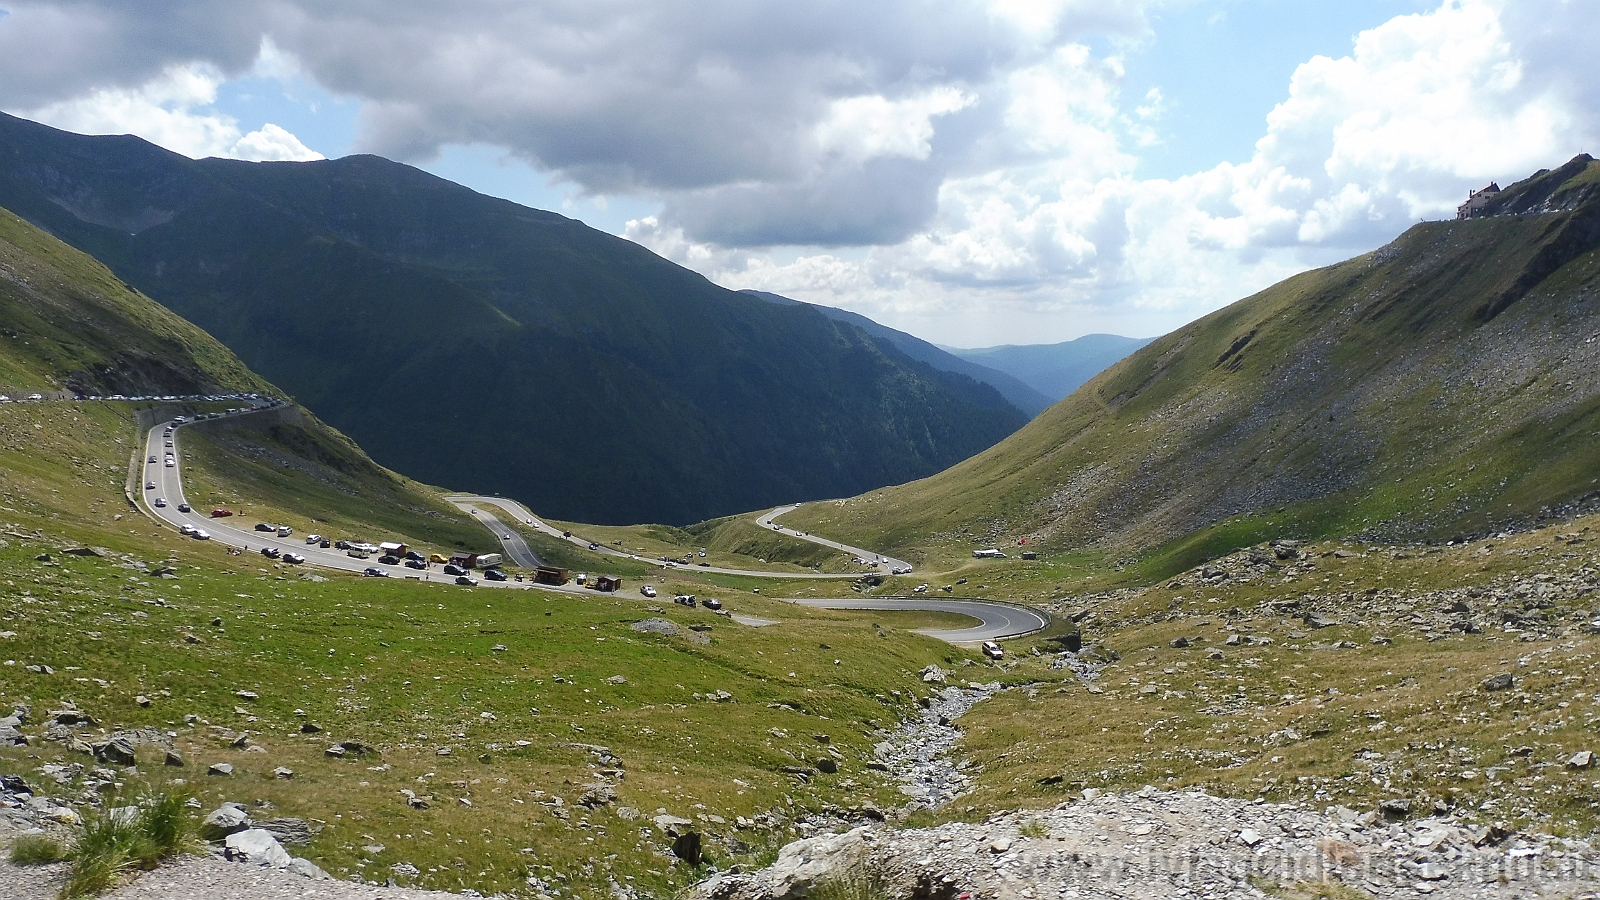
(226, 820)
(800, 867)
(257, 847)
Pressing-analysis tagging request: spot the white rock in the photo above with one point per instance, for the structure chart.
(1249, 837)
(257, 846)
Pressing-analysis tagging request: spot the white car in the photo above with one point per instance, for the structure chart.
(172, 464)
(648, 590)
(992, 650)
(294, 558)
(187, 530)
(200, 534)
(149, 485)
(161, 501)
(920, 589)
(313, 538)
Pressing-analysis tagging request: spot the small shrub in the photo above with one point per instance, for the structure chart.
(1033, 828)
(856, 883)
(37, 850)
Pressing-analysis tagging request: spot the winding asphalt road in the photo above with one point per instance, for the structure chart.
(996, 621)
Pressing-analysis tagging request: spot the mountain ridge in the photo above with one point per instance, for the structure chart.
(1054, 370)
(1020, 394)
(1399, 395)
(409, 312)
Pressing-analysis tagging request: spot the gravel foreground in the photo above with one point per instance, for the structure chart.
(1155, 845)
(206, 878)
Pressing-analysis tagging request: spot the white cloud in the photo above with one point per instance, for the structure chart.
(962, 165)
(174, 111)
(1424, 107)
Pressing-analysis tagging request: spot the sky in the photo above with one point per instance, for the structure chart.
(975, 172)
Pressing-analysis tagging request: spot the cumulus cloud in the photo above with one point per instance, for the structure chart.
(171, 110)
(908, 160)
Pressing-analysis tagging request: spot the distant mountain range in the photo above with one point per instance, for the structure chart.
(1021, 395)
(470, 341)
(1054, 370)
(1445, 385)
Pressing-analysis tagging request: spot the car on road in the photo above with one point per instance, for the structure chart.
(353, 553)
(325, 544)
(416, 564)
(494, 575)
(702, 564)
(271, 552)
(370, 572)
(992, 650)
(593, 546)
(220, 513)
(187, 530)
(149, 485)
(172, 463)
(508, 537)
(465, 580)
(647, 590)
(265, 526)
(184, 507)
(566, 534)
(294, 558)
(313, 538)
(388, 560)
(200, 534)
(152, 459)
(160, 502)
(284, 531)
(453, 569)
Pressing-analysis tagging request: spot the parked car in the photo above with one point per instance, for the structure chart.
(566, 534)
(463, 579)
(370, 572)
(416, 564)
(313, 538)
(184, 507)
(685, 600)
(388, 560)
(357, 554)
(271, 552)
(703, 564)
(266, 526)
(453, 569)
(160, 502)
(920, 589)
(325, 544)
(284, 531)
(414, 555)
(200, 534)
(494, 575)
(294, 558)
(711, 603)
(647, 590)
(992, 650)
(220, 513)
(342, 545)
(702, 553)
(187, 530)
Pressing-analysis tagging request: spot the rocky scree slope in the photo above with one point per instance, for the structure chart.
(1162, 844)
(1440, 386)
(570, 369)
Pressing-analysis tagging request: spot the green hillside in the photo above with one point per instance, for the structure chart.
(471, 341)
(1443, 385)
(68, 324)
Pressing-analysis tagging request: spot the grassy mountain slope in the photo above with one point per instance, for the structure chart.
(1017, 393)
(501, 349)
(1055, 370)
(68, 324)
(1441, 385)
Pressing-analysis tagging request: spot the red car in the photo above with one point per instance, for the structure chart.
(220, 513)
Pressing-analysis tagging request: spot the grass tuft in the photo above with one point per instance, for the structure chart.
(114, 841)
(855, 883)
(37, 850)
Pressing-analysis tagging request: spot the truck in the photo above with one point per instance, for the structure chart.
(486, 560)
(991, 553)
